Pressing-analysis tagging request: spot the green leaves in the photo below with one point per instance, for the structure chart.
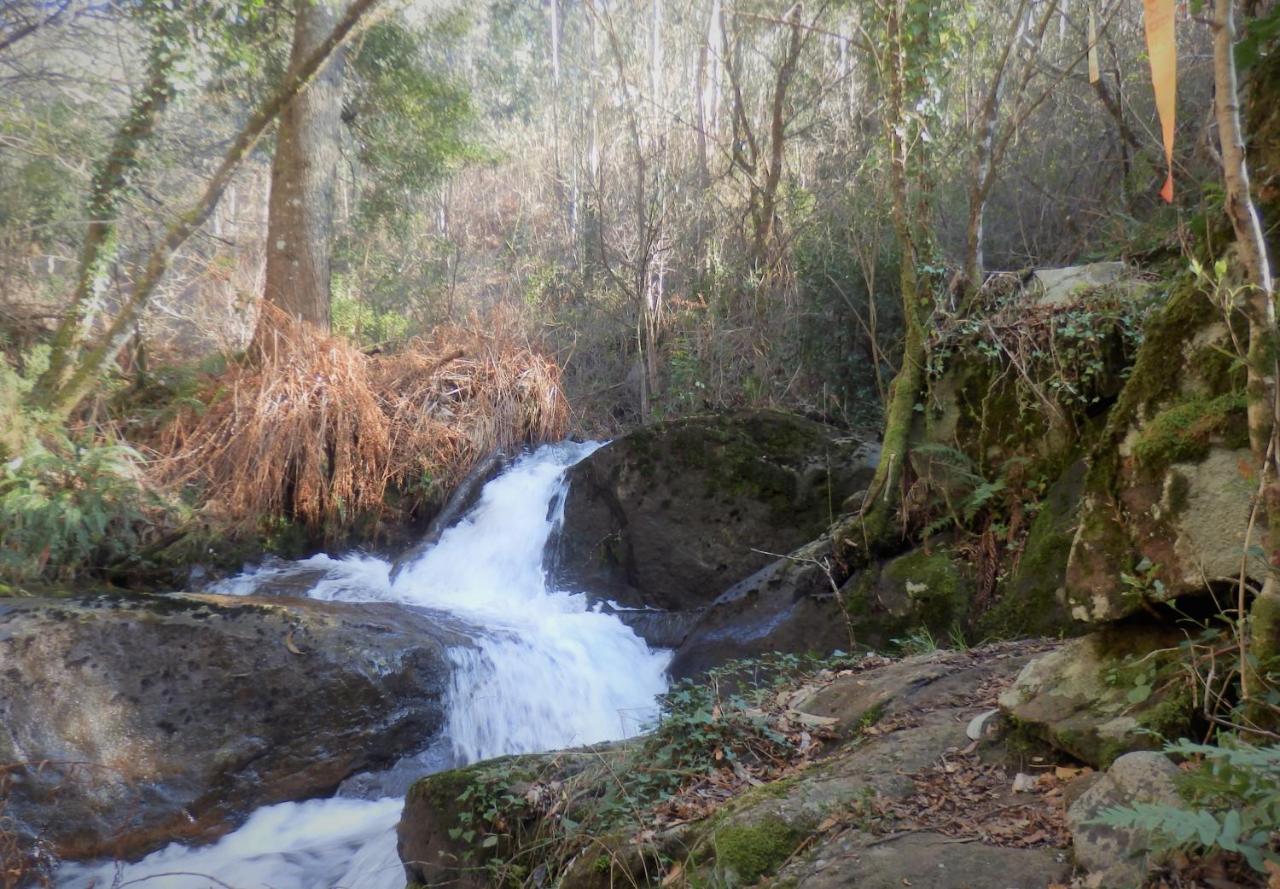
(1233, 804)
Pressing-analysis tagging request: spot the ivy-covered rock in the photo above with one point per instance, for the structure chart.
(671, 515)
(1105, 694)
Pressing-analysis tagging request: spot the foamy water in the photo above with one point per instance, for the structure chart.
(545, 672)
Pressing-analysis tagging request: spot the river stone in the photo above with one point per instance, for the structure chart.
(149, 719)
(671, 515)
(1118, 858)
(1085, 698)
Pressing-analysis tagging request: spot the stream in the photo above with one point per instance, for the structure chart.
(544, 671)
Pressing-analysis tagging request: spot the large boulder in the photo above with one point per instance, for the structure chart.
(1099, 696)
(132, 722)
(1166, 507)
(671, 515)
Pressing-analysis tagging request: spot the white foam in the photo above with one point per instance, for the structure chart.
(546, 672)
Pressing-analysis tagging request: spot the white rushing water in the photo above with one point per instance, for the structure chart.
(545, 672)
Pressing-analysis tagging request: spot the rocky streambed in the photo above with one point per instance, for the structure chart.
(135, 722)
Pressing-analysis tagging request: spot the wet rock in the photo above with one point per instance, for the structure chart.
(1118, 858)
(789, 605)
(148, 719)
(1104, 694)
(672, 515)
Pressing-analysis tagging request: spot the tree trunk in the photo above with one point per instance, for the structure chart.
(110, 187)
(910, 223)
(1263, 409)
(90, 365)
(300, 212)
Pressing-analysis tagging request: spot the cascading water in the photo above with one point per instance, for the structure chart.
(545, 671)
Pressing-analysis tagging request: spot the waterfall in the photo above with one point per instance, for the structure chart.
(544, 671)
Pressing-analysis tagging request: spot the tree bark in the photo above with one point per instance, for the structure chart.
(300, 211)
(1263, 403)
(910, 227)
(91, 364)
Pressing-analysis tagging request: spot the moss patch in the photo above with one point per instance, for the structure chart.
(1027, 603)
(1184, 432)
(751, 851)
(921, 589)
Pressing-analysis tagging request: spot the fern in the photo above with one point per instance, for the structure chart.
(1233, 804)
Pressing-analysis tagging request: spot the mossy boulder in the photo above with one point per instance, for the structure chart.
(671, 515)
(1020, 387)
(930, 589)
(1168, 495)
(1105, 694)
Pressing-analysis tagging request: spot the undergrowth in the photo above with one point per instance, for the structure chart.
(1232, 805)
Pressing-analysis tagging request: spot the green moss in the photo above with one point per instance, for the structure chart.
(751, 851)
(1027, 603)
(921, 589)
(1184, 432)
(934, 584)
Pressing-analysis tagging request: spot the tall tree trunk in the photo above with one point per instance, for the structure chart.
(90, 365)
(767, 204)
(910, 222)
(1264, 397)
(300, 212)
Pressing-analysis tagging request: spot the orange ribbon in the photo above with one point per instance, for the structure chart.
(1163, 52)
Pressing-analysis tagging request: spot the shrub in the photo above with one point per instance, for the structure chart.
(1233, 804)
(67, 505)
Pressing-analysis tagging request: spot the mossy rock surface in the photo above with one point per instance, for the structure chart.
(1167, 496)
(930, 589)
(672, 515)
(1030, 601)
(1105, 694)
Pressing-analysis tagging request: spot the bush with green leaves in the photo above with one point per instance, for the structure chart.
(69, 506)
(1233, 804)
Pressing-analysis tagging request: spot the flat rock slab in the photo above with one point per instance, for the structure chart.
(926, 860)
(147, 719)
